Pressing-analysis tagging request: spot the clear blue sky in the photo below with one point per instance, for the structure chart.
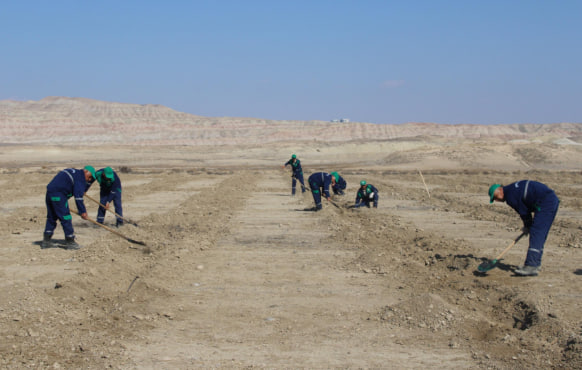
(380, 61)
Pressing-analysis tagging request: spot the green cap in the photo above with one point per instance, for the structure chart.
(492, 191)
(92, 170)
(335, 175)
(293, 156)
(363, 182)
(109, 173)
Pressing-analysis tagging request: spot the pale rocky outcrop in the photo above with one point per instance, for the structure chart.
(62, 121)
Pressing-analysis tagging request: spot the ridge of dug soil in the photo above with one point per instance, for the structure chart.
(236, 273)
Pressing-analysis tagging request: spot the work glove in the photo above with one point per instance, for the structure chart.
(525, 230)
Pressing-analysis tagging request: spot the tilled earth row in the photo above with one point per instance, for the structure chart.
(237, 273)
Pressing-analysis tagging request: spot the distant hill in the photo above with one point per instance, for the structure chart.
(62, 121)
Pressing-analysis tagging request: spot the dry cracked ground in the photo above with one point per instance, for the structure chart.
(237, 274)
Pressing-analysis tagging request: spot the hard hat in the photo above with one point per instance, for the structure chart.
(335, 176)
(293, 156)
(363, 182)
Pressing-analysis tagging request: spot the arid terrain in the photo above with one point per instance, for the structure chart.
(236, 273)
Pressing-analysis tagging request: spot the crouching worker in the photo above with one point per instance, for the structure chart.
(338, 184)
(528, 197)
(67, 183)
(320, 183)
(367, 194)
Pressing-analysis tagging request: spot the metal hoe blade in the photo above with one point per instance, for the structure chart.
(135, 241)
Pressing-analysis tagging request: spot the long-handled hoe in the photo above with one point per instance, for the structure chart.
(111, 230)
(118, 216)
(303, 187)
(331, 201)
(488, 265)
(336, 205)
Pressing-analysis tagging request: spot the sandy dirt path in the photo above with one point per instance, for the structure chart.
(237, 274)
(274, 292)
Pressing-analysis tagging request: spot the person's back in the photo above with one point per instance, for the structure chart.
(320, 179)
(523, 195)
(63, 182)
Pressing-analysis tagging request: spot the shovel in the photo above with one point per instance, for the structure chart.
(111, 230)
(488, 265)
(303, 187)
(118, 216)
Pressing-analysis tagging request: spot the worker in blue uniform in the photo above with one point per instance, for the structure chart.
(319, 183)
(297, 173)
(339, 184)
(537, 206)
(110, 191)
(367, 193)
(68, 183)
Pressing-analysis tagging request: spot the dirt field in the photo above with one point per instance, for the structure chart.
(236, 274)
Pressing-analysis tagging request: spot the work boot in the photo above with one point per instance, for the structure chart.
(528, 271)
(119, 223)
(71, 244)
(47, 242)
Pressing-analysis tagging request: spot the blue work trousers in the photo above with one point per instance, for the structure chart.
(317, 197)
(57, 208)
(118, 208)
(538, 232)
(297, 177)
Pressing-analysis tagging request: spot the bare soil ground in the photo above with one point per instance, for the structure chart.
(236, 274)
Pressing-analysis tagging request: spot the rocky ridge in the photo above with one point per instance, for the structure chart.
(62, 121)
